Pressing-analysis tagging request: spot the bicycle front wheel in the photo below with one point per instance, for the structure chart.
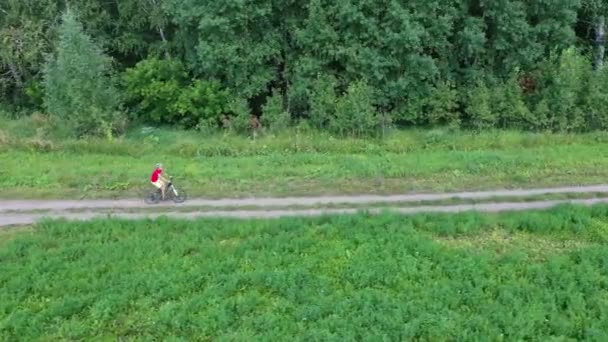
(179, 196)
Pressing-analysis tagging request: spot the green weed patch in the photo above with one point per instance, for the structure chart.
(357, 277)
(300, 164)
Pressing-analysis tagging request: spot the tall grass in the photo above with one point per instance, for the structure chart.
(36, 161)
(296, 140)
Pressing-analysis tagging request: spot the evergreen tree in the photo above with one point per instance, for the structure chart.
(78, 83)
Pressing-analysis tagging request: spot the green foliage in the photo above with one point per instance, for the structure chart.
(346, 278)
(355, 113)
(24, 37)
(323, 99)
(129, 29)
(245, 44)
(295, 161)
(509, 104)
(160, 92)
(274, 116)
(570, 95)
(442, 105)
(201, 101)
(479, 107)
(239, 116)
(522, 34)
(596, 101)
(564, 89)
(153, 87)
(419, 44)
(78, 82)
(421, 59)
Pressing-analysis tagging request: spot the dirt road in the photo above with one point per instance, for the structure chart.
(26, 219)
(29, 212)
(31, 205)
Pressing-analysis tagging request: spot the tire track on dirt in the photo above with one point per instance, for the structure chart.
(27, 219)
(61, 205)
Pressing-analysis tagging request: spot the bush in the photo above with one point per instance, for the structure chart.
(410, 112)
(509, 104)
(238, 118)
(153, 87)
(78, 83)
(542, 114)
(564, 88)
(479, 107)
(159, 92)
(274, 116)
(35, 94)
(323, 101)
(201, 102)
(442, 105)
(596, 102)
(40, 142)
(355, 112)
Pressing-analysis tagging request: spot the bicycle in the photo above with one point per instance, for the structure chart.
(171, 194)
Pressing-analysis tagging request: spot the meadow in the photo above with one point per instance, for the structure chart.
(38, 162)
(500, 277)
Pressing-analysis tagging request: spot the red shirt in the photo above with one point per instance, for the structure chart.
(155, 175)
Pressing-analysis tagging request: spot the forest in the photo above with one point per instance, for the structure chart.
(351, 68)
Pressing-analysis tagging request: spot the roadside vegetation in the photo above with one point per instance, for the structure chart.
(39, 162)
(296, 99)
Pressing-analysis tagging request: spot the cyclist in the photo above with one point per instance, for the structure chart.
(158, 179)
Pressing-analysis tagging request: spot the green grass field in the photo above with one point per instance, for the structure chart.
(43, 165)
(525, 276)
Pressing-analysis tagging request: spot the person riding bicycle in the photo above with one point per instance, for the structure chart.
(158, 179)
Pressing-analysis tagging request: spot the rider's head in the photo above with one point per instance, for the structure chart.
(159, 166)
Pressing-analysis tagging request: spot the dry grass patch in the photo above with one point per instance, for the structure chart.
(501, 241)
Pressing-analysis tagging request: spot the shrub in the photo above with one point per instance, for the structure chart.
(355, 112)
(479, 107)
(542, 114)
(201, 102)
(153, 87)
(159, 92)
(274, 116)
(238, 118)
(564, 87)
(410, 112)
(323, 100)
(596, 101)
(442, 105)
(509, 104)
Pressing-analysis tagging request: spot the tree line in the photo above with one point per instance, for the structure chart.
(351, 67)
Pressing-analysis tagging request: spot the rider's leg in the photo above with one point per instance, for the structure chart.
(160, 187)
(163, 189)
